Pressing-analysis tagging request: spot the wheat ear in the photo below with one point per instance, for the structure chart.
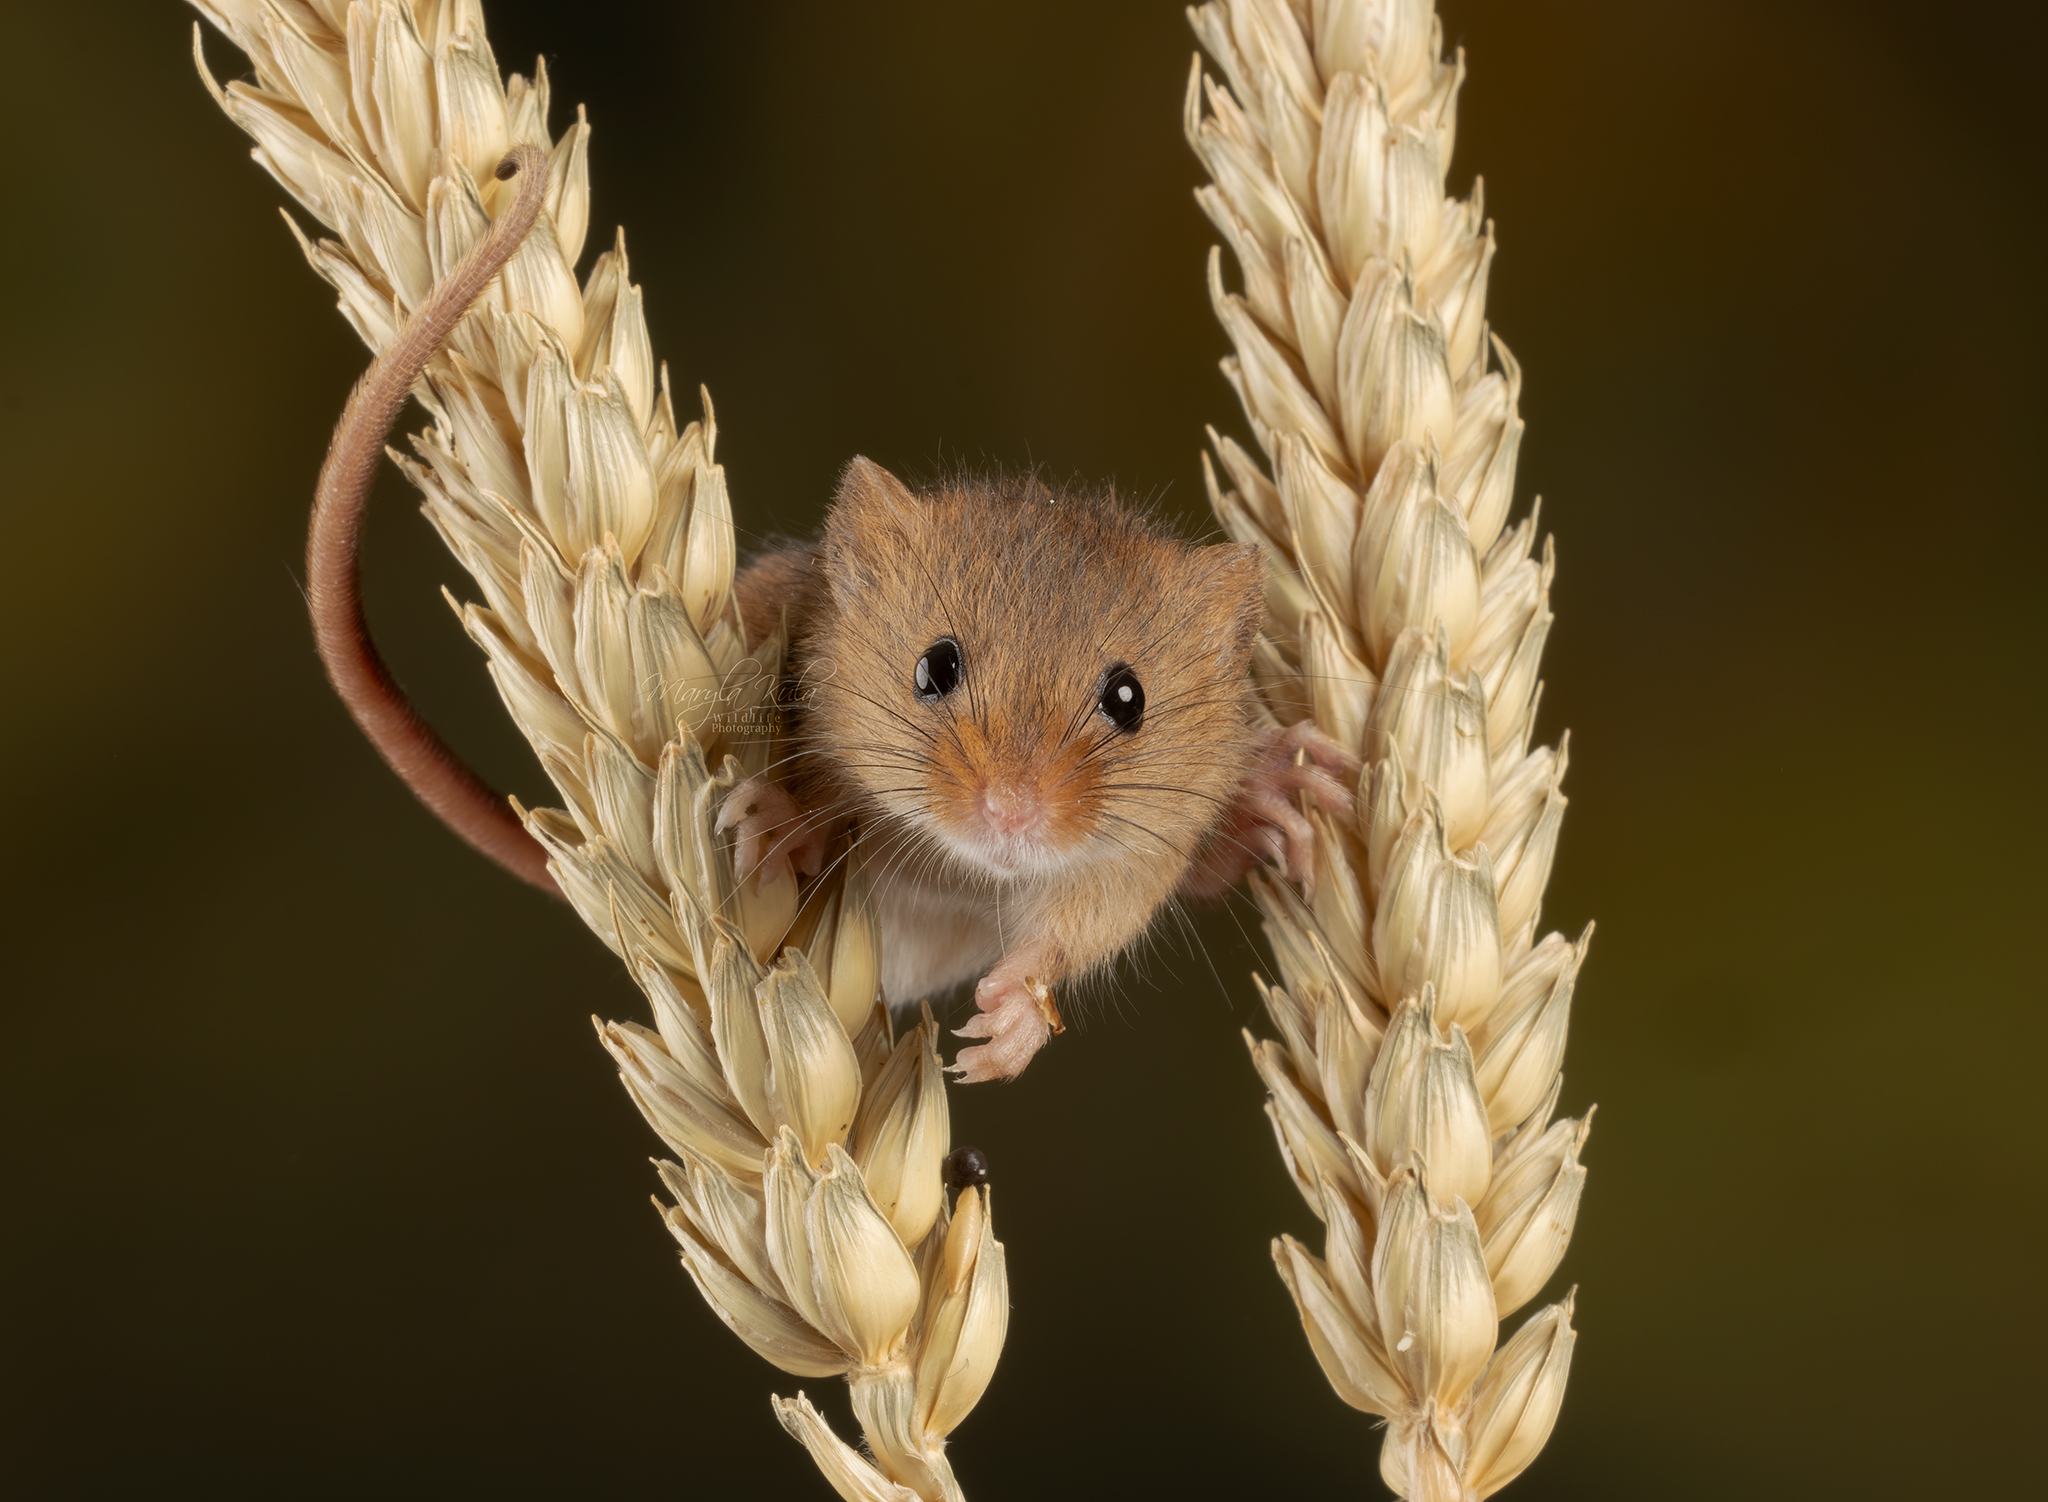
(810, 1141)
(1422, 1021)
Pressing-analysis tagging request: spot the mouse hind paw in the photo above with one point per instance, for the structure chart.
(774, 833)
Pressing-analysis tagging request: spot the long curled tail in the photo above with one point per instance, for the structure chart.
(411, 747)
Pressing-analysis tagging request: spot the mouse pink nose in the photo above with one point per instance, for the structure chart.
(1012, 808)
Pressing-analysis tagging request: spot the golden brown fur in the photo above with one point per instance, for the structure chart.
(1045, 592)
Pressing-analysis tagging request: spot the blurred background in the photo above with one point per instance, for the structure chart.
(315, 1179)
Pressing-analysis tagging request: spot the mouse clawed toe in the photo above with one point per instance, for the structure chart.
(773, 834)
(1298, 760)
(1283, 831)
(1332, 756)
(1017, 1015)
(1264, 821)
(1322, 768)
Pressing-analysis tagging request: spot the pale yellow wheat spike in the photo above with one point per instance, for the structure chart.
(1421, 1016)
(809, 1141)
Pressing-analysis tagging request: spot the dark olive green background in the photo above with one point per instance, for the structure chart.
(314, 1179)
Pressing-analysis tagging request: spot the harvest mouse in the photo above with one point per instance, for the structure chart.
(1032, 709)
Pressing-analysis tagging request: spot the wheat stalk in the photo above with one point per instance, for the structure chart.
(1422, 1021)
(810, 1141)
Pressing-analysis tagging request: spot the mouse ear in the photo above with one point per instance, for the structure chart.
(871, 512)
(1233, 590)
(869, 497)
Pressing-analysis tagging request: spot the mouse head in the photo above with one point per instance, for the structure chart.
(1028, 678)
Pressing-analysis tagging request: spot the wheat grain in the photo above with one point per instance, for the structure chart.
(809, 1139)
(1422, 1021)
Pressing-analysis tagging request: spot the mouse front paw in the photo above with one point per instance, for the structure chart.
(1263, 821)
(1017, 1015)
(774, 834)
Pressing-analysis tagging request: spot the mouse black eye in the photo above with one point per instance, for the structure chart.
(1123, 697)
(938, 671)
